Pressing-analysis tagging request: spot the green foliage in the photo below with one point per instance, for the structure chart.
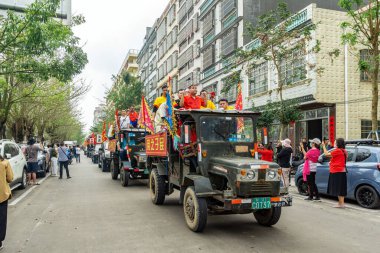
(277, 41)
(40, 58)
(125, 92)
(281, 112)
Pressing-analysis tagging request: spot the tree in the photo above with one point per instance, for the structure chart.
(276, 41)
(124, 93)
(363, 29)
(34, 48)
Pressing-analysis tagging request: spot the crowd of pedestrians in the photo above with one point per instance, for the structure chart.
(309, 152)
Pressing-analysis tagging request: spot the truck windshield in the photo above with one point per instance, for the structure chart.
(136, 138)
(226, 129)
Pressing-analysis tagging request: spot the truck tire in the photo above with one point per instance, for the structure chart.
(99, 164)
(157, 187)
(195, 210)
(105, 166)
(124, 178)
(114, 170)
(268, 217)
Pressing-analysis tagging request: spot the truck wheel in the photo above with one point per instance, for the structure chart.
(99, 164)
(104, 166)
(195, 210)
(157, 187)
(124, 178)
(114, 170)
(268, 217)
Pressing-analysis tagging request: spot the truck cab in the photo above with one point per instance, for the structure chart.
(210, 162)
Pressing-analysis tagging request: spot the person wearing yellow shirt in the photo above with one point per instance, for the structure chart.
(6, 176)
(208, 102)
(160, 100)
(223, 104)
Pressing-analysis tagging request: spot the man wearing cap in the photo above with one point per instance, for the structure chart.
(192, 101)
(283, 159)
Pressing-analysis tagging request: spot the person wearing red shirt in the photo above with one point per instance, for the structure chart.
(266, 153)
(192, 101)
(337, 185)
(133, 116)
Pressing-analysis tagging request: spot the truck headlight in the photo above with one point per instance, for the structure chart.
(272, 174)
(251, 174)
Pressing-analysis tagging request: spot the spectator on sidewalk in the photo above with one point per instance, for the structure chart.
(54, 161)
(63, 160)
(32, 162)
(77, 153)
(266, 152)
(337, 185)
(284, 162)
(6, 176)
(310, 167)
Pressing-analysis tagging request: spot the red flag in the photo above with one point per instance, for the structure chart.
(239, 107)
(145, 118)
(239, 99)
(117, 122)
(104, 137)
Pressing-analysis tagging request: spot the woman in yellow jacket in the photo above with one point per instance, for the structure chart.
(6, 176)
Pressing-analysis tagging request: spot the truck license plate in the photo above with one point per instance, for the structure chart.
(261, 203)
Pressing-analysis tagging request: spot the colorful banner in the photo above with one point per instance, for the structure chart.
(117, 121)
(239, 107)
(104, 137)
(170, 117)
(145, 118)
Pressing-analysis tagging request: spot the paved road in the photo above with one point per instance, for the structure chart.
(92, 213)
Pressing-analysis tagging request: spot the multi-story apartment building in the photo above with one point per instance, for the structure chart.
(63, 12)
(147, 61)
(130, 63)
(223, 31)
(99, 114)
(335, 102)
(189, 41)
(167, 46)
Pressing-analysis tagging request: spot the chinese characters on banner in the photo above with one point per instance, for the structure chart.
(156, 145)
(332, 129)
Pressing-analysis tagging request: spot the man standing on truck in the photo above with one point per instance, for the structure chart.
(192, 101)
(133, 116)
(159, 100)
(124, 119)
(223, 104)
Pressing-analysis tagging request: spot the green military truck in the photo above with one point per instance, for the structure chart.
(129, 159)
(212, 166)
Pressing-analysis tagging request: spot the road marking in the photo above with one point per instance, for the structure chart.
(348, 206)
(22, 196)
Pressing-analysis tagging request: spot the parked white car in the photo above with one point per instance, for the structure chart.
(13, 153)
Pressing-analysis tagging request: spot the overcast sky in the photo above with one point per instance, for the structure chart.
(112, 28)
